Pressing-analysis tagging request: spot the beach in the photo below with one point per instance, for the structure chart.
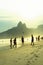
(24, 55)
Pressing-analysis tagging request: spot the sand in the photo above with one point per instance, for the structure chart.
(25, 55)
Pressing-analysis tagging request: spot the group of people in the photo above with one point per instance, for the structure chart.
(15, 43)
(38, 38)
(22, 40)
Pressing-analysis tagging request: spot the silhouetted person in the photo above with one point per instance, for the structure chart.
(22, 40)
(42, 38)
(15, 44)
(36, 38)
(39, 38)
(11, 43)
(32, 40)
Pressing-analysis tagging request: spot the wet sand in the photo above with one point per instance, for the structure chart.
(24, 55)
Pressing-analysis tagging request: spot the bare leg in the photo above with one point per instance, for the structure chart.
(31, 43)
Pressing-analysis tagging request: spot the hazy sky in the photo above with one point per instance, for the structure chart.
(13, 11)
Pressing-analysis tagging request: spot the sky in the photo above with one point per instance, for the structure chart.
(26, 11)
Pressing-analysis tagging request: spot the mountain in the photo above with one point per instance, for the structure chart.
(40, 29)
(21, 30)
(18, 31)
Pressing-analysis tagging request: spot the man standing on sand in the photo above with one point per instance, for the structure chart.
(14, 41)
(32, 40)
(39, 38)
(22, 40)
(11, 43)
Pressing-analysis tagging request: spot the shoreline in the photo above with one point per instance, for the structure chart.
(25, 55)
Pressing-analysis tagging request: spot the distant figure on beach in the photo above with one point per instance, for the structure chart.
(11, 43)
(42, 38)
(32, 40)
(14, 41)
(22, 40)
(39, 38)
(36, 38)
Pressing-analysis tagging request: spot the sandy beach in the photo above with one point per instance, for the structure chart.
(24, 55)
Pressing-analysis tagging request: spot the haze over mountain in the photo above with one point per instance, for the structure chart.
(13, 11)
(20, 30)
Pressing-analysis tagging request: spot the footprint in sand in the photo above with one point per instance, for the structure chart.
(31, 57)
(16, 61)
(37, 50)
(35, 59)
(32, 53)
(36, 55)
(27, 59)
(19, 58)
(26, 56)
(28, 63)
(39, 47)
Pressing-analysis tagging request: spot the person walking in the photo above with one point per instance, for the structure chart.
(11, 43)
(32, 40)
(14, 41)
(22, 40)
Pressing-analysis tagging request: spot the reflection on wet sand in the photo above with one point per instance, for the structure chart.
(6, 42)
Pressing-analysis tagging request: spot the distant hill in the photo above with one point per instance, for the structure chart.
(20, 30)
(40, 29)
